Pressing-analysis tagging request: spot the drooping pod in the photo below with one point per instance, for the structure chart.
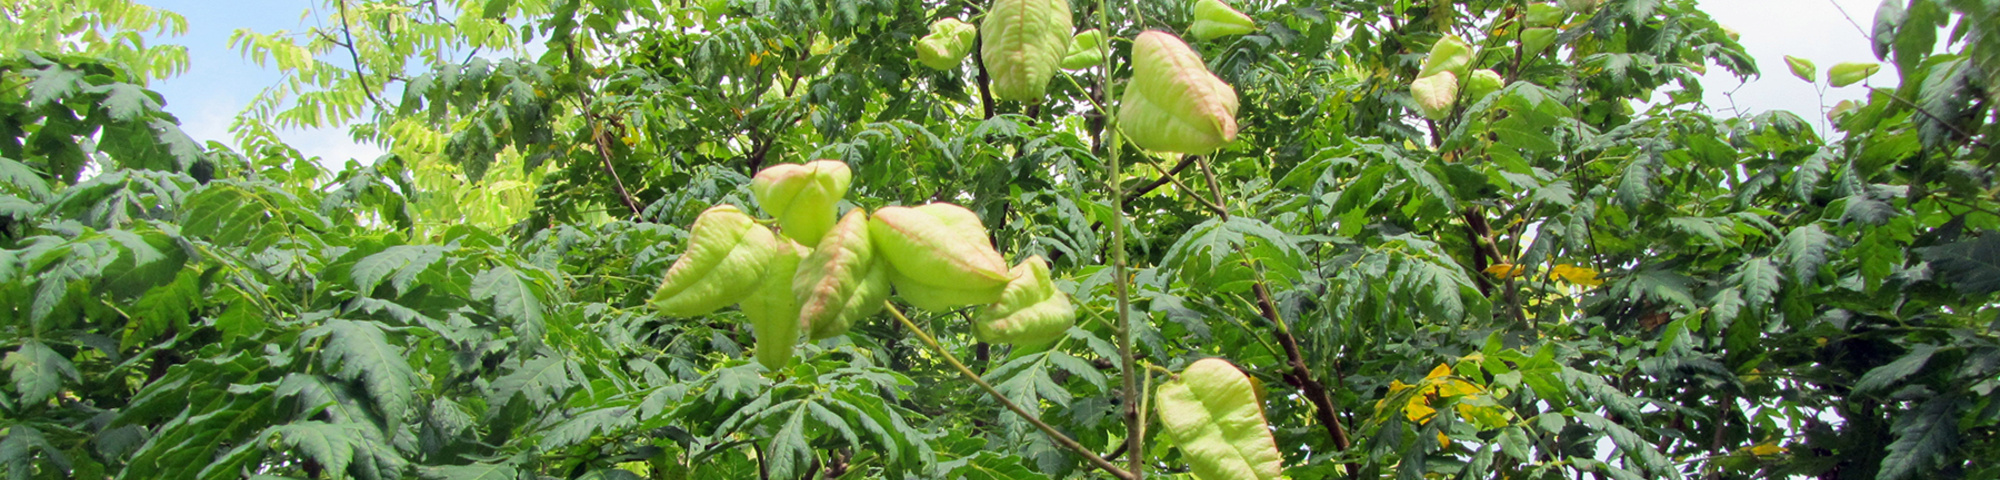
(1085, 51)
(1435, 94)
(1031, 312)
(1024, 44)
(1214, 19)
(947, 45)
(726, 255)
(1216, 415)
(773, 310)
(841, 281)
(939, 256)
(1449, 54)
(802, 197)
(1173, 103)
(1482, 82)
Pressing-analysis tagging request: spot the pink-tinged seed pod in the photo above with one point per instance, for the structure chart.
(842, 281)
(1030, 313)
(1173, 103)
(939, 256)
(802, 197)
(724, 262)
(1215, 414)
(1435, 94)
(1025, 41)
(773, 310)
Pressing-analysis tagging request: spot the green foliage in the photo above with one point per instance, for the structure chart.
(1566, 276)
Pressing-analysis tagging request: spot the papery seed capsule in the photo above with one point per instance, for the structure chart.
(841, 281)
(1030, 313)
(773, 310)
(1214, 19)
(1216, 415)
(1023, 46)
(1085, 51)
(939, 255)
(1173, 103)
(947, 45)
(724, 262)
(802, 197)
(1435, 94)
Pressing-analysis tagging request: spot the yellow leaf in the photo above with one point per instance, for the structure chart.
(1443, 441)
(1417, 411)
(1440, 372)
(1767, 449)
(1574, 274)
(756, 58)
(1505, 271)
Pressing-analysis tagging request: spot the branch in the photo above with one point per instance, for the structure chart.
(598, 134)
(359, 75)
(1186, 160)
(1300, 376)
(1064, 440)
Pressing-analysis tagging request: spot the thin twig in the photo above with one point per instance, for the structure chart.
(1064, 440)
(359, 75)
(1300, 376)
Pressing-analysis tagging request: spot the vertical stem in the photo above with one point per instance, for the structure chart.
(1135, 431)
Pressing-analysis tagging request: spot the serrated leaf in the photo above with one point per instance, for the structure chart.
(359, 351)
(1888, 374)
(1632, 446)
(1924, 436)
(1804, 250)
(477, 471)
(514, 299)
(400, 265)
(38, 372)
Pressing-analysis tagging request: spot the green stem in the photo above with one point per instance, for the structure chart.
(1066, 442)
(1135, 431)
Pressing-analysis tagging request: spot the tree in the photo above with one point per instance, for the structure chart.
(1448, 239)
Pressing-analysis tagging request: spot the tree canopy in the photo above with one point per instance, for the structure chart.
(1435, 239)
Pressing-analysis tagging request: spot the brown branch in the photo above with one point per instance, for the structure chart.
(1165, 178)
(1300, 376)
(599, 135)
(359, 75)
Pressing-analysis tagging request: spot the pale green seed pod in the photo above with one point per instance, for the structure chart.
(1545, 15)
(1173, 103)
(1030, 313)
(947, 45)
(1215, 414)
(1581, 6)
(841, 281)
(1449, 54)
(1435, 94)
(939, 256)
(1482, 82)
(1085, 51)
(1534, 40)
(773, 310)
(1025, 41)
(1214, 19)
(802, 197)
(724, 262)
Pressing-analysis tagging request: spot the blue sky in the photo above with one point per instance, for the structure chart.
(221, 82)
